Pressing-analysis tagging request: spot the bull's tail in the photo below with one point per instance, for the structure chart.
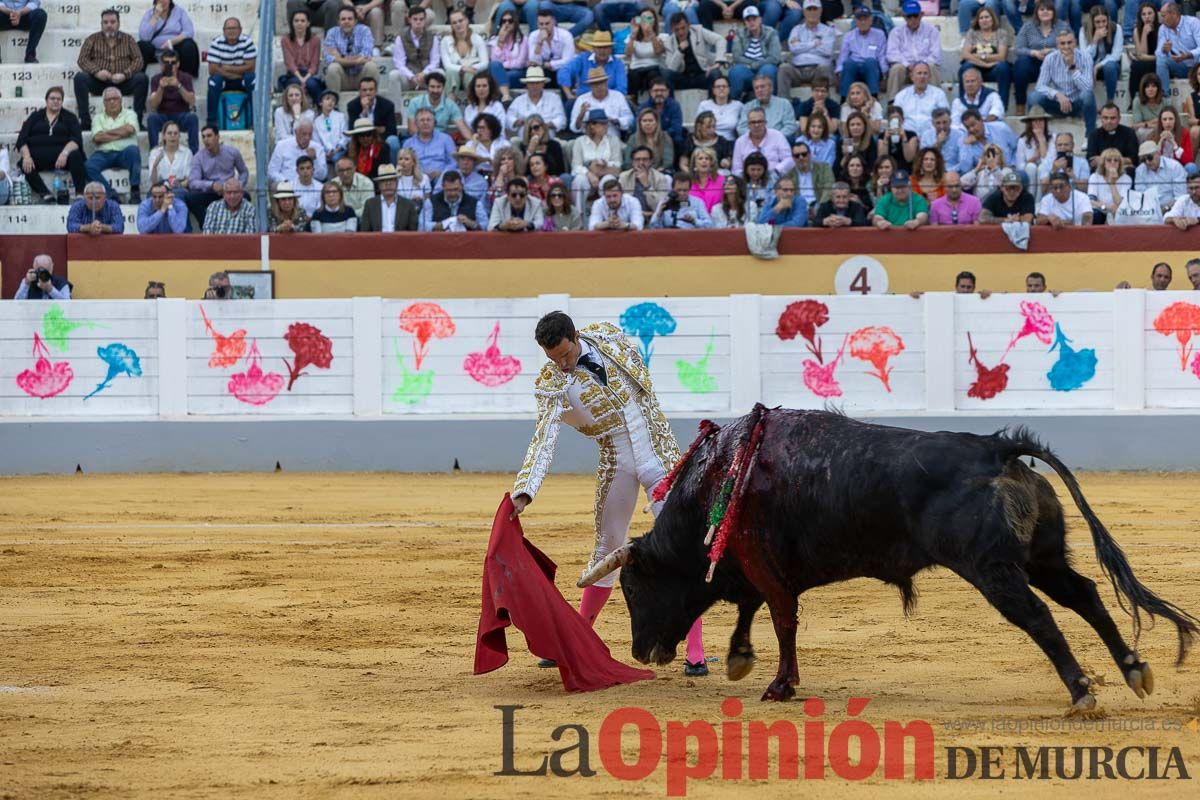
(1133, 597)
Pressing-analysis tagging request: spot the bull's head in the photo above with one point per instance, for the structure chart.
(665, 595)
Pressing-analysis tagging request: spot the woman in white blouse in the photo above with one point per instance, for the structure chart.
(483, 97)
(294, 108)
(645, 53)
(329, 127)
(412, 184)
(1107, 187)
(859, 98)
(727, 111)
(463, 53)
(731, 211)
(169, 162)
(487, 139)
(594, 155)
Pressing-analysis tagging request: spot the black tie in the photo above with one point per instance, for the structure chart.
(597, 370)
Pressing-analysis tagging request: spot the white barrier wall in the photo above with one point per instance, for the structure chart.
(715, 356)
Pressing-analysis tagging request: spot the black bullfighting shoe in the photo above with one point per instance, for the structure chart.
(547, 663)
(695, 670)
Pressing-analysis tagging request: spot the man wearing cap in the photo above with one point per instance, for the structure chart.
(921, 99)
(388, 212)
(474, 183)
(863, 56)
(1165, 175)
(1009, 203)
(901, 207)
(914, 42)
(282, 166)
(308, 189)
(955, 207)
(975, 95)
(416, 54)
(548, 46)
(379, 110)
(781, 115)
(1186, 211)
(536, 100)
(758, 138)
(1112, 133)
(576, 78)
(615, 210)
(1063, 159)
(1066, 82)
(447, 116)
(160, 212)
(1178, 45)
(602, 98)
(756, 53)
(452, 209)
(434, 149)
(810, 51)
(694, 55)
(1064, 205)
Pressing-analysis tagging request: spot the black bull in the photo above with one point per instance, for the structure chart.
(829, 499)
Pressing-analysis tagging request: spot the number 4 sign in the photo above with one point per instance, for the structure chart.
(861, 275)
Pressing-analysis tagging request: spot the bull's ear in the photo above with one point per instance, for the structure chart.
(613, 561)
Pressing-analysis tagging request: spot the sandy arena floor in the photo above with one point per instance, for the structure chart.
(311, 636)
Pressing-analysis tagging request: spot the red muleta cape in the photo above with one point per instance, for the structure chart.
(518, 588)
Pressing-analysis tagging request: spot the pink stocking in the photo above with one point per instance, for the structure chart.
(594, 598)
(695, 642)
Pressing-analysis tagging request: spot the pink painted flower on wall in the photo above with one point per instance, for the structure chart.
(1038, 322)
(820, 378)
(490, 367)
(1196, 365)
(255, 386)
(46, 379)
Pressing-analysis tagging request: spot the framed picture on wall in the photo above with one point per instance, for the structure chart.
(253, 285)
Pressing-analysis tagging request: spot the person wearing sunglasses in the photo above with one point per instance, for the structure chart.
(516, 211)
(813, 179)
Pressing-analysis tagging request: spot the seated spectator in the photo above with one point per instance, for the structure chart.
(914, 42)
(464, 53)
(756, 53)
(899, 140)
(389, 212)
(559, 214)
(901, 207)
(1064, 205)
(985, 52)
(646, 185)
(954, 207)
(161, 212)
(1186, 211)
(1035, 40)
(943, 137)
(446, 113)
(649, 134)
(1102, 39)
(781, 116)
(539, 179)
(929, 174)
(115, 141)
(810, 52)
(411, 184)
(537, 140)
(820, 104)
(550, 47)
(487, 139)
(707, 185)
(1165, 175)
(615, 210)
(434, 149)
(601, 98)
(759, 182)
(761, 139)
(1173, 140)
(39, 286)
(219, 287)
(234, 214)
(974, 96)
(1112, 134)
(50, 139)
(24, 15)
(731, 211)
(860, 100)
(679, 209)
(308, 189)
(231, 60)
(172, 99)
(1108, 186)
(645, 52)
(367, 149)
(155, 290)
(704, 134)
(95, 214)
(417, 53)
(167, 28)
(348, 49)
(1035, 283)
(575, 12)
(301, 49)
(694, 54)
(596, 155)
(282, 166)
(214, 164)
(858, 178)
(978, 135)
(509, 56)
(293, 108)
(820, 140)
(986, 175)
(813, 180)
(840, 210)
(919, 100)
(1009, 203)
(515, 211)
(474, 182)
(329, 127)
(1064, 86)
(536, 102)
(1193, 273)
(5, 179)
(579, 76)
(1178, 43)
(483, 97)
(452, 209)
(366, 12)
(863, 56)
(881, 177)
(670, 114)
(356, 187)
(857, 143)
(286, 215)
(379, 110)
(504, 167)
(728, 112)
(334, 216)
(609, 11)
(110, 58)
(784, 208)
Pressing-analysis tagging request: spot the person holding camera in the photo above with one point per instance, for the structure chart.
(172, 99)
(219, 287)
(1063, 159)
(41, 283)
(679, 209)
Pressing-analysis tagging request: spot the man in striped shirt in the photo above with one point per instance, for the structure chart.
(231, 60)
(110, 58)
(1064, 87)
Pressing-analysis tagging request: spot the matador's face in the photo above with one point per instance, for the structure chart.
(565, 354)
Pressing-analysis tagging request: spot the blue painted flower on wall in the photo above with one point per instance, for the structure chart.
(1074, 368)
(646, 321)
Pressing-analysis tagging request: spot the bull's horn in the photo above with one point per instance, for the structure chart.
(614, 560)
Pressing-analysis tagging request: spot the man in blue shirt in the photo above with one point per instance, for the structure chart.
(679, 209)
(94, 214)
(160, 212)
(979, 135)
(434, 149)
(347, 52)
(573, 77)
(24, 15)
(785, 209)
(1178, 45)
(944, 137)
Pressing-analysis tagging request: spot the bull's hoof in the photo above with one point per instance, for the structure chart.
(779, 691)
(1084, 708)
(1141, 680)
(739, 665)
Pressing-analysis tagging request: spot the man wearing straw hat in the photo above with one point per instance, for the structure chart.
(601, 97)
(388, 212)
(536, 100)
(573, 77)
(473, 181)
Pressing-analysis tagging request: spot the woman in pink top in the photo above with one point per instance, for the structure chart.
(302, 57)
(707, 185)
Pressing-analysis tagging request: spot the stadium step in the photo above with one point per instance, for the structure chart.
(51, 219)
(206, 15)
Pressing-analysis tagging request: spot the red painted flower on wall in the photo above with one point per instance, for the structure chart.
(989, 381)
(425, 321)
(311, 347)
(802, 318)
(1182, 320)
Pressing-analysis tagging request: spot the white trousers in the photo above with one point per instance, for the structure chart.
(627, 463)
